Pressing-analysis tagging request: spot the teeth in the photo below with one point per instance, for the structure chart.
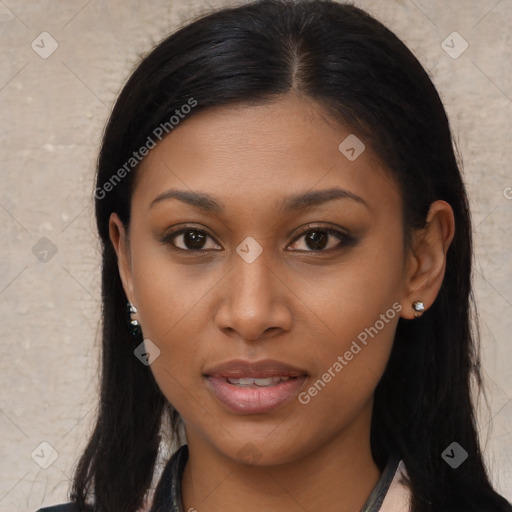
(250, 382)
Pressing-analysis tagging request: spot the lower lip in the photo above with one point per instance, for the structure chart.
(254, 400)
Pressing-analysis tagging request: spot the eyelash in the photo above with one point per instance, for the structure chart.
(346, 240)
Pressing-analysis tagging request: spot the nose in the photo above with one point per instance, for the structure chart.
(255, 301)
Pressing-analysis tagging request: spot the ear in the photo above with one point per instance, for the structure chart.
(120, 241)
(426, 262)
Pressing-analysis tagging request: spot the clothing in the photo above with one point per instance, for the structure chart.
(65, 507)
(388, 495)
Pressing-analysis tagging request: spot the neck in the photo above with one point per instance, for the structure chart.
(338, 475)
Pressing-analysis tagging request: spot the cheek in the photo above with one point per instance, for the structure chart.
(351, 296)
(357, 310)
(349, 362)
(171, 301)
(167, 293)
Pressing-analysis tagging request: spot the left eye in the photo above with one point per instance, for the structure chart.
(317, 239)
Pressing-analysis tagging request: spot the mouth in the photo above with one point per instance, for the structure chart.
(254, 387)
(251, 382)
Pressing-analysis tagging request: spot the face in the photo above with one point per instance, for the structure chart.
(294, 260)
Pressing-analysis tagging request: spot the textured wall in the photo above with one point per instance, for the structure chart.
(53, 113)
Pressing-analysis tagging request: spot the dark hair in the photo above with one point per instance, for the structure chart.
(366, 78)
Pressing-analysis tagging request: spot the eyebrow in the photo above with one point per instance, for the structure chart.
(209, 204)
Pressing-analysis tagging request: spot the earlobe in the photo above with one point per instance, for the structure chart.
(427, 260)
(119, 239)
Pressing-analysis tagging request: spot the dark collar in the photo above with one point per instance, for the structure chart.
(374, 501)
(167, 496)
(168, 492)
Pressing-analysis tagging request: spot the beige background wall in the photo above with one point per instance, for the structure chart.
(53, 112)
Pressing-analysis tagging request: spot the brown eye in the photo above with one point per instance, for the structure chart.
(324, 239)
(317, 240)
(188, 239)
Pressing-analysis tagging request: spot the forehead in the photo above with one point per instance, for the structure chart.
(261, 154)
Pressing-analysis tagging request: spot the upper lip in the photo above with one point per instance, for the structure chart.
(238, 368)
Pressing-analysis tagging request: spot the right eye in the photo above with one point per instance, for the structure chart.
(190, 239)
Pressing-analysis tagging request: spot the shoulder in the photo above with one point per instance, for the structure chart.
(64, 507)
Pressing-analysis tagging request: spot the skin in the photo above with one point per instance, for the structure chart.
(293, 304)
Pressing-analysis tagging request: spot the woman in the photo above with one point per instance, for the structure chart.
(283, 215)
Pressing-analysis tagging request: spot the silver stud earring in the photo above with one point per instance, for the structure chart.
(133, 325)
(419, 307)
